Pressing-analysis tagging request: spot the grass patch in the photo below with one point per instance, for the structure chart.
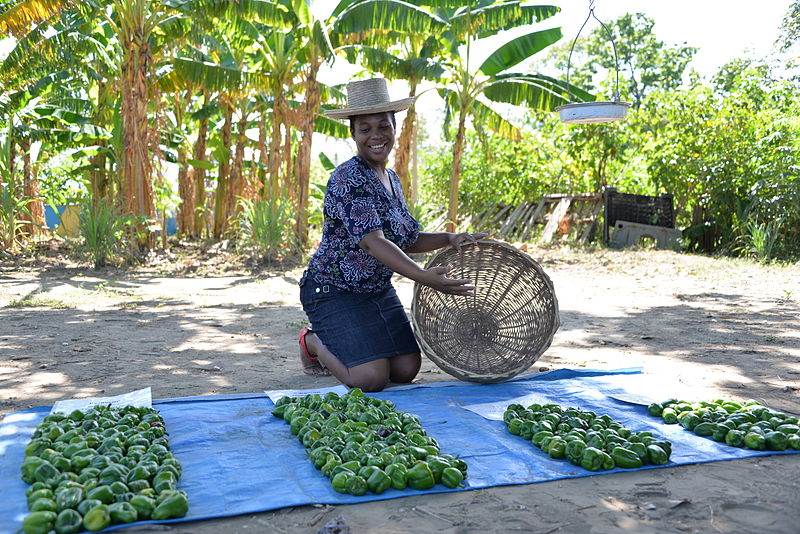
(35, 301)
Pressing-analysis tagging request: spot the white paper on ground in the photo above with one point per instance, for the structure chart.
(138, 398)
(276, 394)
(494, 410)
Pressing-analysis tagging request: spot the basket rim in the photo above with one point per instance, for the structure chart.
(486, 377)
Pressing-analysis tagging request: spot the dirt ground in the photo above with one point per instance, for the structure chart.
(189, 324)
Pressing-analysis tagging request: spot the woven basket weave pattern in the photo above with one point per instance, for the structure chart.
(499, 332)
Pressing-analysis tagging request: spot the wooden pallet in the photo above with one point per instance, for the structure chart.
(565, 217)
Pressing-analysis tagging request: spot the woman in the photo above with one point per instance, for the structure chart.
(359, 330)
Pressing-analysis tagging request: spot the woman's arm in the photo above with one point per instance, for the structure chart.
(376, 245)
(428, 241)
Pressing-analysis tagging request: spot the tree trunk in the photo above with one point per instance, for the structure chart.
(30, 188)
(223, 187)
(236, 183)
(455, 176)
(288, 170)
(403, 152)
(414, 168)
(199, 177)
(274, 160)
(185, 219)
(302, 168)
(98, 177)
(137, 183)
(264, 189)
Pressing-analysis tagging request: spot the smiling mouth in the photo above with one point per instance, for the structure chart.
(377, 147)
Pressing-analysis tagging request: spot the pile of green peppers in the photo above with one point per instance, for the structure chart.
(107, 466)
(750, 424)
(594, 442)
(363, 444)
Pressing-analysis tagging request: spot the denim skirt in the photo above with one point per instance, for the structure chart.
(357, 327)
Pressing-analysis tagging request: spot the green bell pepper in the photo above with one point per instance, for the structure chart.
(97, 518)
(68, 522)
(452, 477)
(655, 409)
(122, 512)
(113, 473)
(378, 481)
(556, 448)
(339, 481)
(165, 480)
(144, 506)
(669, 416)
(735, 438)
(40, 522)
(705, 428)
(420, 476)
(41, 493)
(573, 452)
(776, 441)
(86, 505)
(45, 472)
(357, 486)
(639, 448)
(657, 455)
(69, 498)
(593, 459)
(538, 437)
(102, 493)
(755, 441)
(626, 458)
(175, 505)
(36, 446)
(43, 505)
(397, 473)
(437, 465)
(332, 462)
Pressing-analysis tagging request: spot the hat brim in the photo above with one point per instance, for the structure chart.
(396, 105)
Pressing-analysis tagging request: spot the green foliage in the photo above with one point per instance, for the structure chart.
(102, 229)
(12, 206)
(760, 239)
(265, 229)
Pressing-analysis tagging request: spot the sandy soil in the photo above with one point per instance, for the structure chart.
(203, 325)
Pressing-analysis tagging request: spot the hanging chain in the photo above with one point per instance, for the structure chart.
(610, 38)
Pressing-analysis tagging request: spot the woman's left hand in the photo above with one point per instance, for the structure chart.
(458, 240)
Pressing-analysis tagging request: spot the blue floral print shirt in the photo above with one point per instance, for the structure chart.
(356, 203)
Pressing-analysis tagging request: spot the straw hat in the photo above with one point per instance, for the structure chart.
(369, 96)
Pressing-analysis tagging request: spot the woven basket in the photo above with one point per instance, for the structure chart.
(499, 332)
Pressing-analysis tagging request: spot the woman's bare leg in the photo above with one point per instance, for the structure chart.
(404, 368)
(370, 376)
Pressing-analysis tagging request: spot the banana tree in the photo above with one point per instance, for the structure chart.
(471, 92)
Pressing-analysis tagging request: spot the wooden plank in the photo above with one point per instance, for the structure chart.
(509, 224)
(552, 223)
(589, 230)
(537, 213)
(576, 196)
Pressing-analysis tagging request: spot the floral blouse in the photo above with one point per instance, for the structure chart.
(356, 203)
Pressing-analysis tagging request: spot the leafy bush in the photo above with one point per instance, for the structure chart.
(265, 229)
(102, 228)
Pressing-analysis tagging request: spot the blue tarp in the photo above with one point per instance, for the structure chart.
(237, 458)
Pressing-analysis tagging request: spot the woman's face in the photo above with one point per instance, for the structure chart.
(374, 137)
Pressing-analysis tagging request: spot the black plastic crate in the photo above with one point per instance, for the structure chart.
(642, 209)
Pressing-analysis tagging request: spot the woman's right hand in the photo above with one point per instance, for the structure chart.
(436, 278)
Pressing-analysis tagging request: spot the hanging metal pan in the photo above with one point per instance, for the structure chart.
(591, 112)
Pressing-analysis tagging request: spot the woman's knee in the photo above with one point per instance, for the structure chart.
(372, 376)
(404, 368)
